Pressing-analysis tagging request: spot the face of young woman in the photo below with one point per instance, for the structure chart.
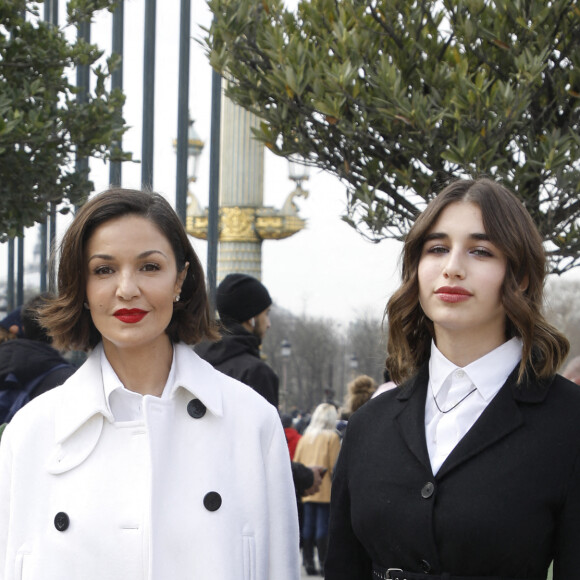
(460, 277)
(132, 282)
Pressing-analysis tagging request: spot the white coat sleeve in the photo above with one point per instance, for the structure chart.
(5, 484)
(282, 509)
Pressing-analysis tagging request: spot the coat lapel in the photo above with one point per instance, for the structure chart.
(199, 378)
(501, 417)
(82, 397)
(411, 418)
(79, 416)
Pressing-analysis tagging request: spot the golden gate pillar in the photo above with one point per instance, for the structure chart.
(244, 222)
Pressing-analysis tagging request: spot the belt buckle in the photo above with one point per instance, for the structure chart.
(394, 571)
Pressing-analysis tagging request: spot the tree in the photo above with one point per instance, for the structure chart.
(563, 310)
(318, 368)
(315, 369)
(43, 125)
(397, 97)
(368, 342)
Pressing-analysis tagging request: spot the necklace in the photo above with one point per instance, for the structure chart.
(456, 404)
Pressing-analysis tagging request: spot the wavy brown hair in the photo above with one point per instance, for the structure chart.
(511, 229)
(70, 324)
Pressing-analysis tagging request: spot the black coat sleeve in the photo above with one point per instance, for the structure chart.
(303, 478)
(346, 558)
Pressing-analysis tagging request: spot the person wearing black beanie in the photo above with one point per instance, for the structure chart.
(240, 298)
(243, 304)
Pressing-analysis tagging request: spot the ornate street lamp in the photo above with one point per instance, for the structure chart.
(194, 149)
(298, 171)
(285, 349)
(353, 364)
(285, 353)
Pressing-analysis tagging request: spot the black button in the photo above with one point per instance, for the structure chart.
(196, 408)
(212, 501)
(61, 521)
(425, 566)
(427, 490)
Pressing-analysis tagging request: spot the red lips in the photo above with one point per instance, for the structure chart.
(453, 294)
(130, 316)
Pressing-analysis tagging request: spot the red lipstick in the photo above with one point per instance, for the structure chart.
(453, 294)
(130, 316)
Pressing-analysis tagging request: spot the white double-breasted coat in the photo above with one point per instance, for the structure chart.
(196, 491)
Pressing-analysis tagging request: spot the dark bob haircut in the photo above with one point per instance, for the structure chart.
(511, 229)
(70, 325)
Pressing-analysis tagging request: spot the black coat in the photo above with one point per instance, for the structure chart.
(237, 355)
(504, 503)
(28, 359)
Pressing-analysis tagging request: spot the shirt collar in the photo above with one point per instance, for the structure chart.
(111, 381)
(487, 373)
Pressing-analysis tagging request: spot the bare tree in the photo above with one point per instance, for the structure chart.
(563, 310)
(313, 368)
(367, 341)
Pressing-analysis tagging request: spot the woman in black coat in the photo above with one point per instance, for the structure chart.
(471, 468)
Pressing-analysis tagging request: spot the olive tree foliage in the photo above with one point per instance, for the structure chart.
(43, 126)
(398, 97)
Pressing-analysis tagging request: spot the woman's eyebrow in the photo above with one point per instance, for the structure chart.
(148, 253)
(435, 236)
(441, 236)
(142, 255)
(101, 257)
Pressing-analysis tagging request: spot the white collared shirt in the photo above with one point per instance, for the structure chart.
(449, 384)
(126, 405)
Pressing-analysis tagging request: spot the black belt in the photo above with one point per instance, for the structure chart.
(380, 573)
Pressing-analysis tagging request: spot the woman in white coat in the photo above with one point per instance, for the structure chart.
(147, 464)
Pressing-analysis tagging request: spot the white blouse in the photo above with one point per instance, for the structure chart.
(456, 397)
(126, 405)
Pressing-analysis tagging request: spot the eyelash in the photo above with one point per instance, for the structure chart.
(104, 270)
(151, 267)
(436, 250)
(483, 252)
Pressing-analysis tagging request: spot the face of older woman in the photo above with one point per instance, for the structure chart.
(461, 273)
(132, 282)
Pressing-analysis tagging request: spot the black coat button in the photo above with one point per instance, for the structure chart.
(212, 501)
(427, 490)
(196, 409)
(61, 521)
(425, 566)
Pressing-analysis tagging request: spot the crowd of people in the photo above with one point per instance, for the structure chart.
(164, 456)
